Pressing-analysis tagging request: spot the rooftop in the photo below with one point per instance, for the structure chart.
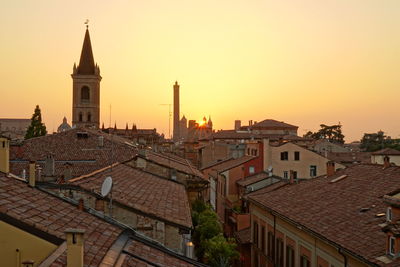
(269, 123)
(386, 151)
(229, 164)
(143, 191)
(347, 206)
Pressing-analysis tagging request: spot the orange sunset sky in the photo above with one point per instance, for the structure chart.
(302, 62)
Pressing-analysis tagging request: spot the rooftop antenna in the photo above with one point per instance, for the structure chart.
(169, 118)
(106, 190)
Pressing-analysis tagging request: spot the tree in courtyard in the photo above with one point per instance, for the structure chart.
(333, 133)
(37, 128)
(220, 252)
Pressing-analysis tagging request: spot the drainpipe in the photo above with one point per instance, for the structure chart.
(274, 243)
(340, 250)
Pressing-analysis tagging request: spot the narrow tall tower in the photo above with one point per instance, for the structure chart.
(86, 88)
(176, 133)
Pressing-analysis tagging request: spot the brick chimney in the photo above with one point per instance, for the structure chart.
(330, 168)
(386, 161)
(32, 174)
(49, 166)
(4, 154)
(74, 247)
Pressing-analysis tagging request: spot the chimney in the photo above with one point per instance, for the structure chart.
(74, 247)
(143, 152)
(101, 141)
(49, 166)
(386, 162)
(99, 205)
(81, 205)
(67, 171)
(4, 154)
(250, 122)
(32, 174)
(291, 177)
(330, 168)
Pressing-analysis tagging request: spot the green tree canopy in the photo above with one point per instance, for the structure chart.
(37, 128)
(375, 141)
(220, 252)
(333, 133)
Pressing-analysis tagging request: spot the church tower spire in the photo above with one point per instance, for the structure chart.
(86, 88)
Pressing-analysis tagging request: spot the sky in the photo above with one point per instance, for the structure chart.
(300, 61)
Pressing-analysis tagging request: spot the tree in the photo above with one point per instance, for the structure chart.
(220, 252)
(332, 133)
(37, 128)
(375, 141)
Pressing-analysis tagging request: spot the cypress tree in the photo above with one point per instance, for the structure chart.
(37, 128)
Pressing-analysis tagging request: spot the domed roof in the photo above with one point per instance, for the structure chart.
(64, 126)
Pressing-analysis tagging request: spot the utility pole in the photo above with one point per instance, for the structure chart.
(169, 118)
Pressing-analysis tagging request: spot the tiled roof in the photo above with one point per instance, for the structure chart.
(148, 254)
(386, 151)
(243, 236)
(252, 179)
(83, 152)
(175, 162)
(272, 124)
(343, 211)
(53, 216)
(143, 191)
(349, 158)
(229, 164)
(232, 134)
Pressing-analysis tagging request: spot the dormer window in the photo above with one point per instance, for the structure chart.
(389, 214)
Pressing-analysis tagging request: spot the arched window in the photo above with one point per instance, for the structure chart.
(80, 117)
(89, 117)
(85, 94)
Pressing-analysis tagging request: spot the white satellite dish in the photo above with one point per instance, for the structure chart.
(106, 187)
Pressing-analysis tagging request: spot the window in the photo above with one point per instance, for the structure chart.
(286, 174)
(392, 242)
(279, 252)
(389, 214)
(289, 256)
(85, 94)
(255, 234)
(80, 117)
(263, 239)
(296, 155)
(248, 151)
(89, 117)
(270, 251)
(4, 144)
(304, 261)
(294, 175)
(284, 155)
(251, 170)
(313, 170)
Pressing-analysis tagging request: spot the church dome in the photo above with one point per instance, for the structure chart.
(64, 126)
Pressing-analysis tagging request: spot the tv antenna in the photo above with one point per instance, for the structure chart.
(106, 188)
(169, 118)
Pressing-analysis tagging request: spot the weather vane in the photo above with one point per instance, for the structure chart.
(87, 23)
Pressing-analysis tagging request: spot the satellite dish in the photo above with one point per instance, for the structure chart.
(106, 187)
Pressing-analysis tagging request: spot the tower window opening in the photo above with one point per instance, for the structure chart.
(89, 117)
(85, 94)
(80, 116)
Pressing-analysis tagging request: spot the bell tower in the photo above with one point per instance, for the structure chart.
(86, 88)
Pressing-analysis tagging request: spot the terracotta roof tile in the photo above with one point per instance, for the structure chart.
(143, 191)
(83, 153)
(386, 151)
(328, 208)
(229, 164)
(52, 215)
(272, 124)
